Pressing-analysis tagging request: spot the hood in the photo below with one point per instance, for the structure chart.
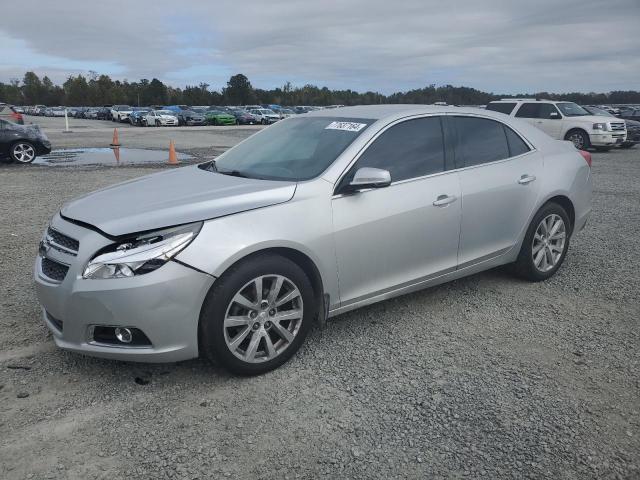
(168, 117)
(632, 123)
(596, 119)
(173, 197)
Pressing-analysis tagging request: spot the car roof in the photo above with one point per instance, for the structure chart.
(377, 112)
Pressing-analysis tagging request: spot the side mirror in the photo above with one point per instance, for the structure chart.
(554, 115)
(368, 177)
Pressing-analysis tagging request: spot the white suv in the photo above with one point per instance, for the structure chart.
(565, 121)
(120, 113)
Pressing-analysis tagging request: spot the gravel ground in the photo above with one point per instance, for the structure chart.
(486, 377)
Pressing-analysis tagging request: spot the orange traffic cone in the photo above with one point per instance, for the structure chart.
(115, 142)
(173, 159)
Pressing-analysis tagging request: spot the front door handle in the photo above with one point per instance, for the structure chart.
(444, 200)
(525, 179)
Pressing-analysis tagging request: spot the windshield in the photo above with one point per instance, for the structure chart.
(570, 109)
(293, 149)
(165, 112)
(599, 111)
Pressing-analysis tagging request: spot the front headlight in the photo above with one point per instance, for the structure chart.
(599, 126)
(142, 254)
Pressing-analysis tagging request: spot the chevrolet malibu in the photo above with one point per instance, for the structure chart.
(312, 217)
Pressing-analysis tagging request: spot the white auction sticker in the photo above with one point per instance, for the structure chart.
(348, 126)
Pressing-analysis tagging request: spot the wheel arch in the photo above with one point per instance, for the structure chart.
(301, 259)
(576, 129)
(566, 203)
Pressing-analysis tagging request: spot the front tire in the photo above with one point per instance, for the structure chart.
(257, 315)
(22, 152)
(580, 139)
(545, 245)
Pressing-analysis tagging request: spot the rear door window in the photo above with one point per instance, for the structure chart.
(478, 141)
(529, 110)
(502, 107)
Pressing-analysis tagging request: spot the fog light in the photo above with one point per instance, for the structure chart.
(124, 335)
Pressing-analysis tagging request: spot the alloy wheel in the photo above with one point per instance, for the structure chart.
(263, 318)
(548, 242)
(577, 139)
(23, 153)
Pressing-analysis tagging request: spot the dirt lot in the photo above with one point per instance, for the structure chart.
(486, 377)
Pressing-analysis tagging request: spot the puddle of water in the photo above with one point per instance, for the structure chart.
(106, 156)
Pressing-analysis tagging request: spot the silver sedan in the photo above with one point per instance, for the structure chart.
(314, 216)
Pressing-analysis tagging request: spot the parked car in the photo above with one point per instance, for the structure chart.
(265, 115)
(9, 114)
(137, 115)
(104, 113)
(565, 121)
(285, 113)
(630, 114)
(191, 117)
(38, 110)
(246, 251)
(243, 117)
(57, 111)
(120, 113)
(160, 118)
(91, 113)
(217, 117)
(22, 143)
(633, 126)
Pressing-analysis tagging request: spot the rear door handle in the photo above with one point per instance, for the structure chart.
(525, 179)
(444, 200)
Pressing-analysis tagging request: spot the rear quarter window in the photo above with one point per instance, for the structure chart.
(517, 146)
(502, 107)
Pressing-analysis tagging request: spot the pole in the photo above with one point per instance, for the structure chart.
(66, 122)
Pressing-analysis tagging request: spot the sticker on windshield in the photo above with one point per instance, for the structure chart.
(348, 126)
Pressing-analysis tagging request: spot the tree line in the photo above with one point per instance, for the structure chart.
(97, 90)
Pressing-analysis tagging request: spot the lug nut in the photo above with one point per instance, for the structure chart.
(256, 325)
(253, 314)
(264, 304)
(267, 324)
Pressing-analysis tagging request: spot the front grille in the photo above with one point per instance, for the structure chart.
(54, 270)
(617, 126)
(59, 239)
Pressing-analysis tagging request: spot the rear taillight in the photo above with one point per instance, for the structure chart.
(587, 157)
(16, 116)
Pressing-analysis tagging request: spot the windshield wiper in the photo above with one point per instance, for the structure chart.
(233, 173)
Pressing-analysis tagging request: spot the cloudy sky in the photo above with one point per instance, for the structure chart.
(506, 46)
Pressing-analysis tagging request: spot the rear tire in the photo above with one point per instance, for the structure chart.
(545, 245)
(224, 320)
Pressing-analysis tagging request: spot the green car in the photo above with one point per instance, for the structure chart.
(215, 117)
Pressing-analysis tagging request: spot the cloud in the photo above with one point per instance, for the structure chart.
(501, 45)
